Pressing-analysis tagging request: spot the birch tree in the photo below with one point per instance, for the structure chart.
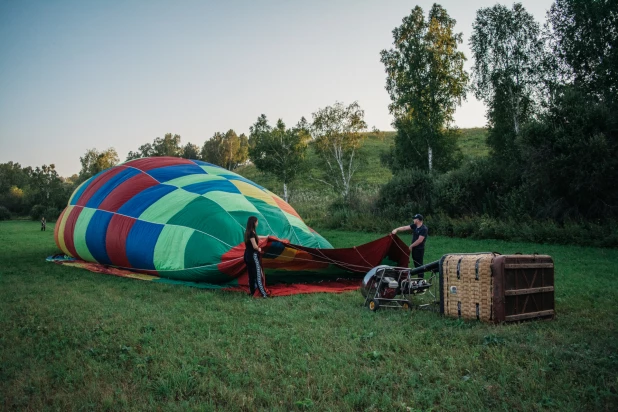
(337, 131)
(426, 82)
(509, 57)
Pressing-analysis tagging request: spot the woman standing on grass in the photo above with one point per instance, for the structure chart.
(252, 258)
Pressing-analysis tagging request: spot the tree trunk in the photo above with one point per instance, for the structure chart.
(285, 192)
(430, 158)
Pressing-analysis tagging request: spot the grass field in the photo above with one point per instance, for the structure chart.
(75, 340)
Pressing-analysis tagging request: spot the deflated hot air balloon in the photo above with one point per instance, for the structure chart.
(184, 220)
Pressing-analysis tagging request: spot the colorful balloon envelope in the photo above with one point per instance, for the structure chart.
(177, 218)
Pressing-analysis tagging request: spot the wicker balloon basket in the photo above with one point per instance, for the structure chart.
(497, 288)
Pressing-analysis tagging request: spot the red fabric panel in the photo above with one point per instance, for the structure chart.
(155, 162)
(286, 207)
(69, 230)
(125, 191)
(232, 262)
(96, 184)
(358, 259)
(339, 286)
(116, 240)
(364, 257)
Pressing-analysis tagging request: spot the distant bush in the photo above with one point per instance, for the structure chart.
(5, 214)
(51, 214)
(37, 212)
(410, 191)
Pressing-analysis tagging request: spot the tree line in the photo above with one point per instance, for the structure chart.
(550, 92)
(278, 150)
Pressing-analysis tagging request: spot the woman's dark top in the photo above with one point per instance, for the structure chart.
(249, 246)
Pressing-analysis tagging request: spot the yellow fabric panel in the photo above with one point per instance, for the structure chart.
(62, 224)
(252, 191)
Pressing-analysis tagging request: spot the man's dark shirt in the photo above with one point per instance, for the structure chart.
(419, 231)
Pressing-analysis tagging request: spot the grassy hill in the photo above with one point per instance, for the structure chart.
(372, 174)
(311, 198)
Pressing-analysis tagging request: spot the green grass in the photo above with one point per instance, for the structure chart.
(75, 340)
(473, 142)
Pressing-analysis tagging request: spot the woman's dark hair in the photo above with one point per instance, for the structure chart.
(250, 230)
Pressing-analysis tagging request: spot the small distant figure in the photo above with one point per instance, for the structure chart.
(43, 222)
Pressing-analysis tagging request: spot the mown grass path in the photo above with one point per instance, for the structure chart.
(75, 340)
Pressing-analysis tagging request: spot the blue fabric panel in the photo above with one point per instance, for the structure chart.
(163, 174)
(141, 244)
(83, 187)
(95, 236)
(242, 179)
(202, 163)
(275, 249)
(204, 187)
(110, 185)
(144, 199)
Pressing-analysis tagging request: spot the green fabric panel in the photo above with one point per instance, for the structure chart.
(201, 253)
(79, 234)
(212, 170)
(241, 216)
(169, 252)
(190, 179)
(304, 238)
(231, 201)
(163, 209)
(297, 223)
(322, 242)
(273, 220)
(207, 216)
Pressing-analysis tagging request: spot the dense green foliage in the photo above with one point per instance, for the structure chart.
(426, 81)
(548, 156)
(226, 150)
(36, 192)
(94, 162)
(279, 151)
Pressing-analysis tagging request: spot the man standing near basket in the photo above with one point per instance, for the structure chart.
(419, 237)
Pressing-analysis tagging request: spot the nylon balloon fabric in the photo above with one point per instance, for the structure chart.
(184, 220)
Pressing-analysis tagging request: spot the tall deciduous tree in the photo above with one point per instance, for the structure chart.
(168, 145)
(94, 162)
(279, 151)
(191, 151)
(586, 37)
(144, 150)
(47, 187)
(337, 131)
(508, 72)
(226, 149)
(426, 81)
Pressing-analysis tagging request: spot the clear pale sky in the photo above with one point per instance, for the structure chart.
(82, 74)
